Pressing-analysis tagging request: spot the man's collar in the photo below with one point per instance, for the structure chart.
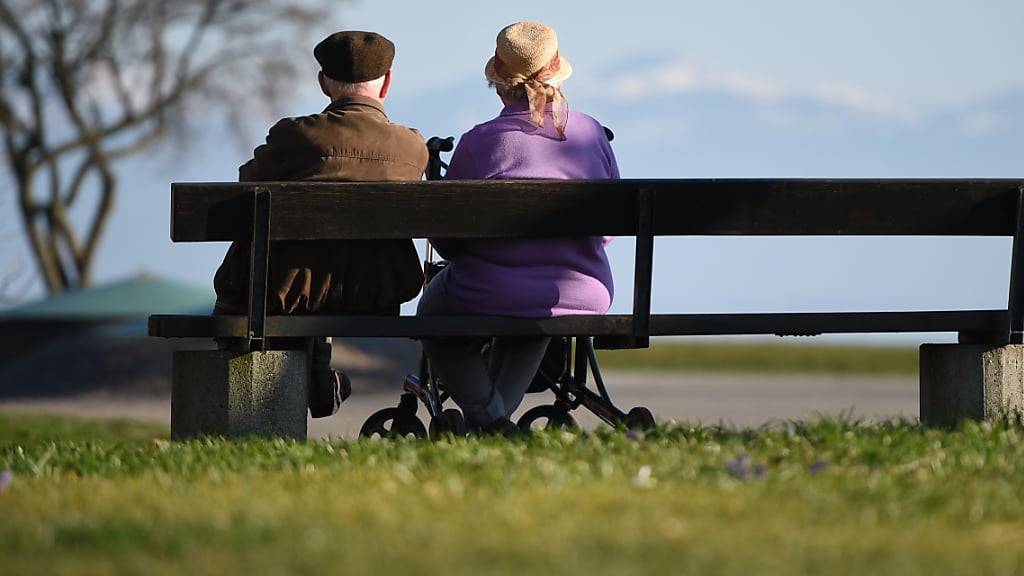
(347, 101)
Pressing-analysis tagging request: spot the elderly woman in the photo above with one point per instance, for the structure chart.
(535, 136)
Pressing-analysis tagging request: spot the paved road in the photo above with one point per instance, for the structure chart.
(741, 400)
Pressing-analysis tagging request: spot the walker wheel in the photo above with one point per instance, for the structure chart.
(546, 417)
(393, 423)
(450, 421)
(639, 418)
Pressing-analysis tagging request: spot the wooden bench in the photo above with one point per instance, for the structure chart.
(978, 378)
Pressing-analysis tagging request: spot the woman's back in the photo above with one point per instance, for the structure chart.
(531, 278)
(511, 146)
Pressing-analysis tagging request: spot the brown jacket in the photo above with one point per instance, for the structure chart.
(351, 140)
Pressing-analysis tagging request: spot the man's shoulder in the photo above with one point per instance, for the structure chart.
(407, 135)
(407, 131)
(309, 121)
(294, 127)
(299, 123)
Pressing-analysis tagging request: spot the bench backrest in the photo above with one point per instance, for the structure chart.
(261, 212)
(515, 208)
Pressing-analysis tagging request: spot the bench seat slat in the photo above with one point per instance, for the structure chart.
(179, 326)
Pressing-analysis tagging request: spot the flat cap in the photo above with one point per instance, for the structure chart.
(353, 56)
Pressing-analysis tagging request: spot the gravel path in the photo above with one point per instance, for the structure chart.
(739, 399)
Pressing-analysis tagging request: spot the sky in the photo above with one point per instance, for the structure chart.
(792, 88)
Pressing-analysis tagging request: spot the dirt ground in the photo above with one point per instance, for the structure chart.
(738, 399)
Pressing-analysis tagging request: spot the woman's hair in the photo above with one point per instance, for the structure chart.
(518, 93)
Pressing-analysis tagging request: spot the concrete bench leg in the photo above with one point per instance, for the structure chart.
(236, 394)
(971, 381)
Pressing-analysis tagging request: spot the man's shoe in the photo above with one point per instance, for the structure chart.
(325, 397)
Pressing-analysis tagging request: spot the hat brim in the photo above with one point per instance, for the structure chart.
(564, 71)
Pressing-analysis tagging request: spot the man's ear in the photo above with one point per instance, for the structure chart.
(323, 85)
(386, 87)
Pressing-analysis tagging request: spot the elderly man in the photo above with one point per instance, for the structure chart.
(351, 140)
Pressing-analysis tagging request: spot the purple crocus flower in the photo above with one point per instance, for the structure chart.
(634, 435)
(6, 478)
(741, 468)
(738, 465)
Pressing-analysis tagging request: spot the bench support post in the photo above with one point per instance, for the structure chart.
(971, 382)
(259, 253)
(239, 393)
(642, 269)
(1016, 300)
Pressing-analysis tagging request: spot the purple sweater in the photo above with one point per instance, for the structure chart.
(530, 278)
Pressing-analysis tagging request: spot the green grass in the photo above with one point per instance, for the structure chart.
(831, 497)
(34, 429)
(782, 358)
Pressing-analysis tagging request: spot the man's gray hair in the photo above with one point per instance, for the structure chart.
(369, 88)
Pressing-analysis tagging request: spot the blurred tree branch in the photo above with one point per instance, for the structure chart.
(85, 83)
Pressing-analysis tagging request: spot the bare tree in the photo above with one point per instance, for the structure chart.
(16, 279)
(85, 83)
(14, 284)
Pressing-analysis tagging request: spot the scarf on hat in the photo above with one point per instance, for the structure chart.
(538, 92)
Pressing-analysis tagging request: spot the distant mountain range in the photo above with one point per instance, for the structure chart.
(728, 127)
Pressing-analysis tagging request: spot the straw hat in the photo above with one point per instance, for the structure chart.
(524, 49)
